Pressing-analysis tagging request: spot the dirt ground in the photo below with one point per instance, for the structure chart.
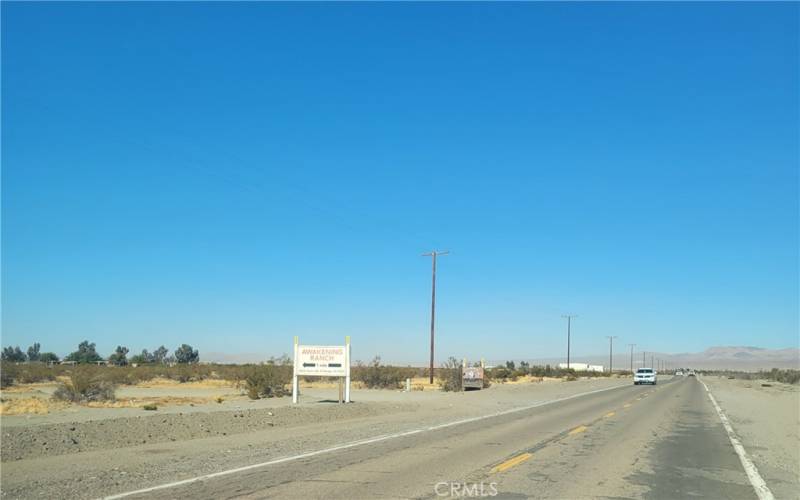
(86, 449)
(767, 420)
(31, 404)
(35, 425)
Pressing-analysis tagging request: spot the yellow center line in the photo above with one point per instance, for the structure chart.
(511, 462)
(578, 430)
(626, 405)
(610, 414)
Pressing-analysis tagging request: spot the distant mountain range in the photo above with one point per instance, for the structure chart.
(746, 358)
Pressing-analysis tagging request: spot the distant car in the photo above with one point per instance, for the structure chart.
(645, 376)
(691, 373)
(679, 373)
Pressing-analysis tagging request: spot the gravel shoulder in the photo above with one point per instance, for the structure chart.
(117, 454)
(767, 420)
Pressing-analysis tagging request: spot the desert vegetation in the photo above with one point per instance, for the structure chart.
(85, 386)
(15, 354)
(378, 376)
(449, 375)
(788, 376)
(124, 375)
(18, 366)
(86, 353)
(267, 381)
(512, 372)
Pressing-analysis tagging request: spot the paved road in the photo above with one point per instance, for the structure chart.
(630, 442)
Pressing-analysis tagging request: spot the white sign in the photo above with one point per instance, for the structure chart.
(322, 360)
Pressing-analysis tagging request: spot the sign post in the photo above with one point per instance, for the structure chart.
(295, 386)
(321, 361)
(347, 364)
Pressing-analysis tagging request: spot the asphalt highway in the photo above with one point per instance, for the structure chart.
(664, 441)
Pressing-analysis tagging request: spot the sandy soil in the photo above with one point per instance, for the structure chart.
(767, 419)
(32, 403)
(84, 450)
(33, 425)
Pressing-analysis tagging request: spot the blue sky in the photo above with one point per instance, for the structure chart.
(231, 175)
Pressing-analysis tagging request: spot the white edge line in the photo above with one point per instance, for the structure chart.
(353, 445)
(762, 490)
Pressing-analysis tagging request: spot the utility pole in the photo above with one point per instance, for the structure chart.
(632, 346)
(653, 366)
(644, 361)
(569, 323)
(433, 254)
(610, 353)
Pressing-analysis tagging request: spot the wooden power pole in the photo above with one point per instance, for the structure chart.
(433, 256)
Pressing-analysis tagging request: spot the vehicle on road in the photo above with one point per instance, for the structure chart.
(645, 376)
(679, 373)
(691, 373)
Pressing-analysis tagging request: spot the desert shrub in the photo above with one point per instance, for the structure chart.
(377, 376)
(449, 375)
(785, 376)
(29, 373)
(788, 376)
(84, 386)
(150, 407)
(6, 380)
(8, 373)
(140, 374)
(182, 373)
(267, 381)
(506, 373)
(34, 372)
(115, 375)
(499, 374)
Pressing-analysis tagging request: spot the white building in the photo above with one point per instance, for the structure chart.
(582, 367)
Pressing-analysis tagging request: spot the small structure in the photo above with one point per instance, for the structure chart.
(471, 376)
(581, 367)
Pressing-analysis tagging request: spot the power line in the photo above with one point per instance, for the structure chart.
(433, 256)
